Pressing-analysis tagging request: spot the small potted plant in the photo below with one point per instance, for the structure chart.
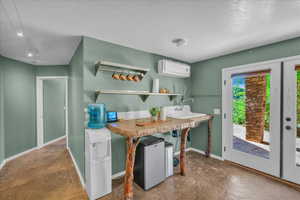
(154, 113)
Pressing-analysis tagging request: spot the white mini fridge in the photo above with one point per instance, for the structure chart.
(98, 162)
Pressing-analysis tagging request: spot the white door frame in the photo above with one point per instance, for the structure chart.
(283, 59)
(271, 165)
(290, 171)
(39, 107)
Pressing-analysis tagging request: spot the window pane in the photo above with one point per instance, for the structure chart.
(251, 113)
(297, 138)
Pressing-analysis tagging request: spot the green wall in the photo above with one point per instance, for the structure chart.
(19, 113)
(207, 86)
(83, 83)
(76, 108)
(54, 112)
(60, 70)
(19, 107)
(2, 147)
(95, 50)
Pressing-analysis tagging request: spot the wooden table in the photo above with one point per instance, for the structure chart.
(133, 134)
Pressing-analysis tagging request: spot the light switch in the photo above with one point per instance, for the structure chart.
(217, 111)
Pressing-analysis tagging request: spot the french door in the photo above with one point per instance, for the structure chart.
(291, 121)
(251, 104)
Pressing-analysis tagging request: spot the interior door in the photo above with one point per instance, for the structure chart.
(291, 121)
(251, 116)
(54, 109)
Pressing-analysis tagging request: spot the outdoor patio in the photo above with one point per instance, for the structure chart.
(263, 150)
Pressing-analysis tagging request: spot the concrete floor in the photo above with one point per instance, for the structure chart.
(249, 148)
(48, 174)
(44, 174)
(240, 132)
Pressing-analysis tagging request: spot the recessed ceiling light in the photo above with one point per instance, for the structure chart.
(20, 34)
(179, 42)
(30, 54)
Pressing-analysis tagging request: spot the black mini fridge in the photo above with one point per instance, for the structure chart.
(149, 167)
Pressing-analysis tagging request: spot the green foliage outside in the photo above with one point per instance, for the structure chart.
(239, 104)
(298, 98)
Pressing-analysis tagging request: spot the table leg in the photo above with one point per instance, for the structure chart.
(184, 135)
(209, 138)
(128, 181)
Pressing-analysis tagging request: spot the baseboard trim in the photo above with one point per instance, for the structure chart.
(77, 168)
(122, 173)
(20, 154)
(203, 153)
(118, 175)
(52, 141)
(186, 150)
(291, 184)
(2, 164)
(30, 150)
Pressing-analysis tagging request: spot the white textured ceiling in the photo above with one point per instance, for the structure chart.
(212, 27)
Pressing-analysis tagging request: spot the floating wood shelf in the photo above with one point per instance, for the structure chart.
(119, 68)
(143, 94)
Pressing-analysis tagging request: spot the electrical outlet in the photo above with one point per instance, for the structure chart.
(217, 111)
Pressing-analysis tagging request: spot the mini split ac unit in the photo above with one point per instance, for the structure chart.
(174, 69)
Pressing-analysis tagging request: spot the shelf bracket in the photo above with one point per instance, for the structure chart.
(172, 97)
(96, 96)
(97, 68)
(143, 97)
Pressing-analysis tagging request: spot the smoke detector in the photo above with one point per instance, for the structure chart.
(179, 42)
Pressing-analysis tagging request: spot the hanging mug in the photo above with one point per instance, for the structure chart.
(129, 77)
(136, 78)
(116, 76)
(122, 77)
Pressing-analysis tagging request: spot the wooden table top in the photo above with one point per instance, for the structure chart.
(129, 128)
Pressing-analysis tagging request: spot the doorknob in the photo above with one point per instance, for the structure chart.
(288, 119)
(288, 127)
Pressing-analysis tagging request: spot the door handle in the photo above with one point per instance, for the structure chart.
(288, 119)
(288, 127)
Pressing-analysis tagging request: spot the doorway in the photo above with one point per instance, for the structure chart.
(261, 117)
(52, 109)
(251, 121)
(291, 121)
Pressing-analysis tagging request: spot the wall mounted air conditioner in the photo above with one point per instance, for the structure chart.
(174, 69)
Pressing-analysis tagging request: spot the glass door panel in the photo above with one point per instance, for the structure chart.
(251, 124)
(297, 136)
(251, 113)
(291, 121)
